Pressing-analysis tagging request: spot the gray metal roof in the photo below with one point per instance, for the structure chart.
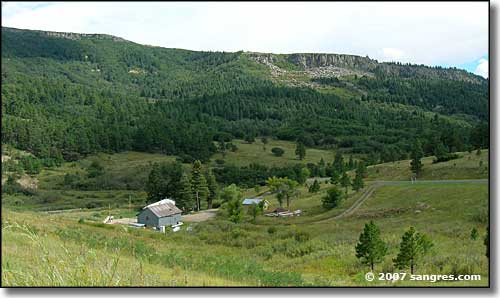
(250, 201)
(163, 210)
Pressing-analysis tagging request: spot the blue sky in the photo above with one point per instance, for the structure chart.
(453, 34)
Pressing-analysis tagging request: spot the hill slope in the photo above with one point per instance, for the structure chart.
(66, 95)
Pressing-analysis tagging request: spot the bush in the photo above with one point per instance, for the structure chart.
(216, 203)
(49, 197)
(302, 236)
(446, 157)
(333, 198)
(93, 204)
(271, 230)
(277, 151)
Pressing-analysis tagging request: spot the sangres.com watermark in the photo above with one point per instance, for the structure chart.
(396, 276)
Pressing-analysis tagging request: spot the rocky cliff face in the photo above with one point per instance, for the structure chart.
(308, 61)
(338, 65)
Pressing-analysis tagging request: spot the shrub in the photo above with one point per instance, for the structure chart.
(49, 197)
(302, 236)
(333, 198)
(271, 230)
(277, 151)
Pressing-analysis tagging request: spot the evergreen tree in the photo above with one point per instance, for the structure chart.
(345, 181)
(350, 164)
(361, 168)
(185, 199)
(335, 177)
(412, 249)
(249, 138)
(333, 198)
(338, 163)
(300, 151)
(199, 184)
(315, 187)
(213, 188)
(358, 183)
(416, 156)
(370, 248)
(303, 175)
(264, 140)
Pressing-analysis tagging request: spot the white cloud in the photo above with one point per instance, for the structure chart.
(482, 68)
(418, 32)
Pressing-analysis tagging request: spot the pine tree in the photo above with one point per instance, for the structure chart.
(345, 181)
(412, 249)
(333, 198)
(416, 156)
(213, 188)
(350, 163)
(361, 168)
(315, 187)
(338, 163)
(335, 177)
(264, 140)
(371, 249)
(199, 184)
(358, 183)
(300, 151)
(185, 199)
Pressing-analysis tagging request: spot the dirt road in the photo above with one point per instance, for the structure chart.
(200, 216)
(370, 189)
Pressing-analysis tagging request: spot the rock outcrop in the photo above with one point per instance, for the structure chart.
(68, 35)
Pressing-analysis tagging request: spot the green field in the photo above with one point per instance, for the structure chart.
(221, 253)
(254, 153)
(468, 166)
(74, 248)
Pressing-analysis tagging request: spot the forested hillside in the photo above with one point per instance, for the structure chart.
(65, 96)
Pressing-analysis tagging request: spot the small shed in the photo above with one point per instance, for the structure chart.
(158, 215)
(255, 201)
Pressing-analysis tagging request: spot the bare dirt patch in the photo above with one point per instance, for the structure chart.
(200, 216)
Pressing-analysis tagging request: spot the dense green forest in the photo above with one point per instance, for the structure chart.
(64, 98)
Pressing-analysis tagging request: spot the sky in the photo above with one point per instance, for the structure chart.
(451, 34)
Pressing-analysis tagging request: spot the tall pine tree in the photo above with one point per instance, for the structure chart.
(416, 156)
(213, 188)
(412, 249)
(185, 198)
(199, 184)
(300, 151)
(370, 248)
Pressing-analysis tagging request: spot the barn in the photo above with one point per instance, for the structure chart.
(163, 213)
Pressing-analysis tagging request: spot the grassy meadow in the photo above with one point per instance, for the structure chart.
(255, 153)
(73, 248)
(271, 252)
(467, 166)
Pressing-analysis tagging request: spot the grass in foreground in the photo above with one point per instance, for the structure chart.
(272, 252)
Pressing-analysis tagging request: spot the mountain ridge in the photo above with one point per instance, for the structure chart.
(302, 61)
